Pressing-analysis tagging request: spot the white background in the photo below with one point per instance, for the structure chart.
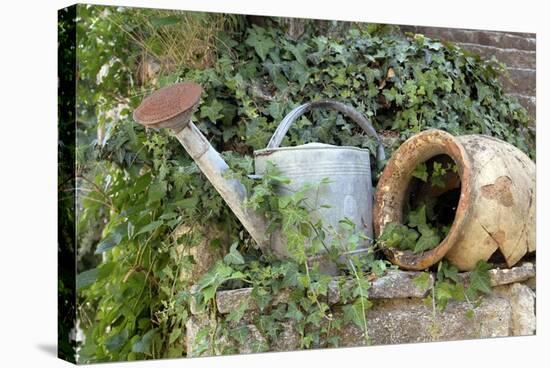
(28, 143)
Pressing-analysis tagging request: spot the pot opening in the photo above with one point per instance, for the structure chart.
(430, 204)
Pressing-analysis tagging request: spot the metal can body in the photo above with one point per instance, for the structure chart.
(348, 193)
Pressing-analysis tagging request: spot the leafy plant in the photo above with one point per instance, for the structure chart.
(422, 229)
(448, 286)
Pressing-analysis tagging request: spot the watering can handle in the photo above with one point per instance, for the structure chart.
(347, 110)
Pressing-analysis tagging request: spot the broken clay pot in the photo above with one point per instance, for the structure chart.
(496, 207)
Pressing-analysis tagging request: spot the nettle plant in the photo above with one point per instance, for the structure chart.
(137, 187)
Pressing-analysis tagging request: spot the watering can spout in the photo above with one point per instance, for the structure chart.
(172, 107)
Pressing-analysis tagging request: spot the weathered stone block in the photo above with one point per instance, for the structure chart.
(289, 338)
(228, 300)
(522, 302)
(504, 276)
(521, 81)
(395, 284)
(192, 327)
(505, 40)
(203, 253)
(530, 104)
(512, 58)
(401, 321)
(398, 321)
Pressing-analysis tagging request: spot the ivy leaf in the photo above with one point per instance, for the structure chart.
(261, 43)
(208, 293)
(149, 228)
(435, 45)
(293, 312)
(442, 294)
(274, 70)
(157, 191)
(215, 276)
(422, 281)
(398, 235)
(479, 280)
(258, 345)
(86, 278)
(417, 218)
(291, 275)
(174, 335)
(450, 271)
(275, 109)
(110, 241)
(299, 73)
(379, 267)
(354, 312)
(116, 341)
(237, 314)
(421, 172)
(445, 291)
(234, 257)
(240, 334)
(437, 175)
(428, 240)
(143, 345)
(299, 51)
(261, 296)
(212, 111)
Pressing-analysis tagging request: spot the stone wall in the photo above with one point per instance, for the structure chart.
(516, 50)
(399, 314)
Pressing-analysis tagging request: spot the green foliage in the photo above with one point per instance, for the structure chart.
(416, 235)
(234, 257)
(422, 230)
(138, 186)
(480, 281)
(261, 42)
(421, 172)
(301, 274)
(398, 235)
(449, 286)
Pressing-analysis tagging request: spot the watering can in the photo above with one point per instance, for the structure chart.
(348, 193)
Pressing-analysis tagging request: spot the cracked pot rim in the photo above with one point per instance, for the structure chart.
(392, 186)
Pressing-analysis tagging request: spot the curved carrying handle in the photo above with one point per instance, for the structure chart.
(347, 110)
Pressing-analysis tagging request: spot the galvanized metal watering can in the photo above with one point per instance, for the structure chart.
(348, 193)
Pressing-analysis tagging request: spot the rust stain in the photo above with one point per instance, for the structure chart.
(499, 191)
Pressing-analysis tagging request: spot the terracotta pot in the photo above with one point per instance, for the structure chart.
(496, 207)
